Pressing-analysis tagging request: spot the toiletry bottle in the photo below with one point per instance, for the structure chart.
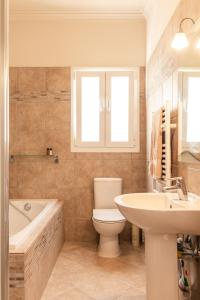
(50, 151)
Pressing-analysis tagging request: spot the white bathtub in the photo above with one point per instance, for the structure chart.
(36, 238)
(25, 217)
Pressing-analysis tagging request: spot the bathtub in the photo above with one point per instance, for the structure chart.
(36, 236)
(25, 217)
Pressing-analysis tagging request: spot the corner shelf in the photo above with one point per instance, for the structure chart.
(54, 157)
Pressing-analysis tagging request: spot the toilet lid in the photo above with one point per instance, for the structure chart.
(108, 215)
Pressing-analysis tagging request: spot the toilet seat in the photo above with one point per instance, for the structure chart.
(108, 216)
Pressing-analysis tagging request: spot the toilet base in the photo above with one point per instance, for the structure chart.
(109, 246)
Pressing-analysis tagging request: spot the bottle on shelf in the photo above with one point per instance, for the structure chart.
(49, 151)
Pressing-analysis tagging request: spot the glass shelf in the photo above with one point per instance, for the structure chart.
(53, 157)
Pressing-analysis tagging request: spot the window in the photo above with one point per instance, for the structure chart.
(105, 110)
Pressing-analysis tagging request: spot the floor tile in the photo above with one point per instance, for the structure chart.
(80, 274)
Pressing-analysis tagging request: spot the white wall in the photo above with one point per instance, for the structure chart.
(78, 42)
(158, 14)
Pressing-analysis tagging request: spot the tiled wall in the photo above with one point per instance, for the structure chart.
(40, 117)
(162, 84)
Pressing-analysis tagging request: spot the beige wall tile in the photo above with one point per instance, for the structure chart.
(143, 142)
(139, 176)
(70, 208)
(142, 116)
(58, 79)
(13, 193)
(84, 203)
(138, 156)
(30, 141)
(87, 232)
(31, 80)
(30, 115)
(58, 140)
(70, 229)
(116, 156)
(60, 178)
(88, 156)
(86, 170)
(13, 175)
(13, 75)
(118, 168)
(12, 125)
(30, 179)
(58, 115)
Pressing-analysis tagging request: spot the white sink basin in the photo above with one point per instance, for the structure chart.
(161, 212)
(162, 216)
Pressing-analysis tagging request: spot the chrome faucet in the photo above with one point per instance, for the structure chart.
(180, 187)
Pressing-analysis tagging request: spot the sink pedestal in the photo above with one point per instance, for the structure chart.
(161, 262)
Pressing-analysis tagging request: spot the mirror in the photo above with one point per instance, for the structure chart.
(189, 115)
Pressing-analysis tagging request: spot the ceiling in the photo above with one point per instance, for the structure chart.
(79, 5)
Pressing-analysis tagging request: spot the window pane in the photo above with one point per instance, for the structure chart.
(193, 109)
(119, 108)
(90, 107)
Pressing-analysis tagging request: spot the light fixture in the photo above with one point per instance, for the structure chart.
(198, 44)
(180, 40)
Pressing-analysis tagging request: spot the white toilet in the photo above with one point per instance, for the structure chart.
(107, 219)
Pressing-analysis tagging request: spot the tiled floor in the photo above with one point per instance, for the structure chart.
(80, 274)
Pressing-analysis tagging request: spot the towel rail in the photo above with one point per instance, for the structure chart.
(160, 160)
(166, 141)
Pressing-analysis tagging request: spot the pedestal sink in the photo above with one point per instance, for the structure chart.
(162, 216)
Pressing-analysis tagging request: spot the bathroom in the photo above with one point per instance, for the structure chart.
(64, 159)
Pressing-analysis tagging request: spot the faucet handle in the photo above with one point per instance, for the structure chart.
(170, 179)
(174, 178)
(177, 179)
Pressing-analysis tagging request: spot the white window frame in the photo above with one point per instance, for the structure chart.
(105, 145)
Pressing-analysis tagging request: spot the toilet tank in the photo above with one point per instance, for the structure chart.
(105, 190)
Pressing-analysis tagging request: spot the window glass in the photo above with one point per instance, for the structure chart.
(119, 109)
(90, 107)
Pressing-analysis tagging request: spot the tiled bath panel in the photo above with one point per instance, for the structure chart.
(40, 105)
(31, 265)
(79, 274)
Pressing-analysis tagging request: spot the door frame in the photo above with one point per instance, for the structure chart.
(4, 148)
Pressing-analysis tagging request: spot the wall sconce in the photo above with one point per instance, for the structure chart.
(180, 40)
(198, 44)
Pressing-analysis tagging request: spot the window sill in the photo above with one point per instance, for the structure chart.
(106, 149)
